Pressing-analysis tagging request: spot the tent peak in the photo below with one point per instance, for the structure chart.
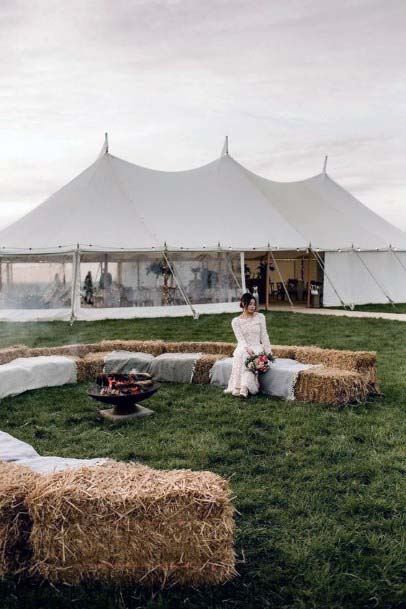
(224, 151)
(105, 147)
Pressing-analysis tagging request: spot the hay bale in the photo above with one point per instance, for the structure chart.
(15, 523)
(331, 386)
(89, 366)
(363, 362)
(218, 348)
(203, 367)
(74, 350)
(288, 352)
(154, 347)
(360, 361)
(10, 353)
(126, 523)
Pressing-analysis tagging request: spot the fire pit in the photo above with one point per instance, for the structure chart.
(123, 392)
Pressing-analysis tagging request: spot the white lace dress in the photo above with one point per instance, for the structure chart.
(251, 333)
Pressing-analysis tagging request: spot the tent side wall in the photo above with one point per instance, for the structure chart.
(365, 277)
(96, 285)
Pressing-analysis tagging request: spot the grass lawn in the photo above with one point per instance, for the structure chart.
(320, 492)
(379, 308)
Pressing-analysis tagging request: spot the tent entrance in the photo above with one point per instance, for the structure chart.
(283, 276)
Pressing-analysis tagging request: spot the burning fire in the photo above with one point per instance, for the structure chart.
(128, 384)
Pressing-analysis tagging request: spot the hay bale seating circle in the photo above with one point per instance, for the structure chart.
(344, 377)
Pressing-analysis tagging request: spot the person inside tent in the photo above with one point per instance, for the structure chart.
(252, 338)
(88, 288)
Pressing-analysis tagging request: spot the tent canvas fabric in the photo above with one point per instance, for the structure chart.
(349, 273)
(117, 206)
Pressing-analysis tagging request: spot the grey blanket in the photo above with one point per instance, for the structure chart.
(280, 380)
(174, 367)
(122, 362)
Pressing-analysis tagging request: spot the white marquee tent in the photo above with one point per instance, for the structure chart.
(172, 243)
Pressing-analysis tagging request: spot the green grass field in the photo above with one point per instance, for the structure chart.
(379, 308)
(319, 491)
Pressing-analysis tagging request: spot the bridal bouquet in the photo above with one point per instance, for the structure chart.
(258, 364)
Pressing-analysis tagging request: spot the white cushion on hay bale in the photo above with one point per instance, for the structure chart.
(21, 453)
(221, 372)
(49, 465)
(12, 449)
(279, 381)
(26, 373)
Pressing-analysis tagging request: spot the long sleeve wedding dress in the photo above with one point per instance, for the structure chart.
(251, 333)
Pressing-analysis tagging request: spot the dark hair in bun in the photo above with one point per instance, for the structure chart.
(246, 299)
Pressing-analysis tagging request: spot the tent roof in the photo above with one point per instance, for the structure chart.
(115, 204)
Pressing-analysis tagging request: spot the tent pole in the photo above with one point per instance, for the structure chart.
(106, 267)
(185, 297)
(74, 291)
(374, 278)
(323, 268)
(242, 263)
(281, 278)
(308, 279)
(268, 258)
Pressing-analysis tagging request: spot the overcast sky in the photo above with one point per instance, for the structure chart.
(288, 81)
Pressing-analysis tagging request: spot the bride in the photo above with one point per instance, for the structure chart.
(252, 336)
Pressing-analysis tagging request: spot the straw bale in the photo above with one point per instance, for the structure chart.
(360, 361)
(10, 353)
(127, 523)
(76, 350)
(88, 367)
(154, 347)
(218, 348)
(363, 362)
(285, 351)
(203, 366)
(15, 523)
(331, 386)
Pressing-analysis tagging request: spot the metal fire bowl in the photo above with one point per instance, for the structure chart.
(124, 407)
(121, 400)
